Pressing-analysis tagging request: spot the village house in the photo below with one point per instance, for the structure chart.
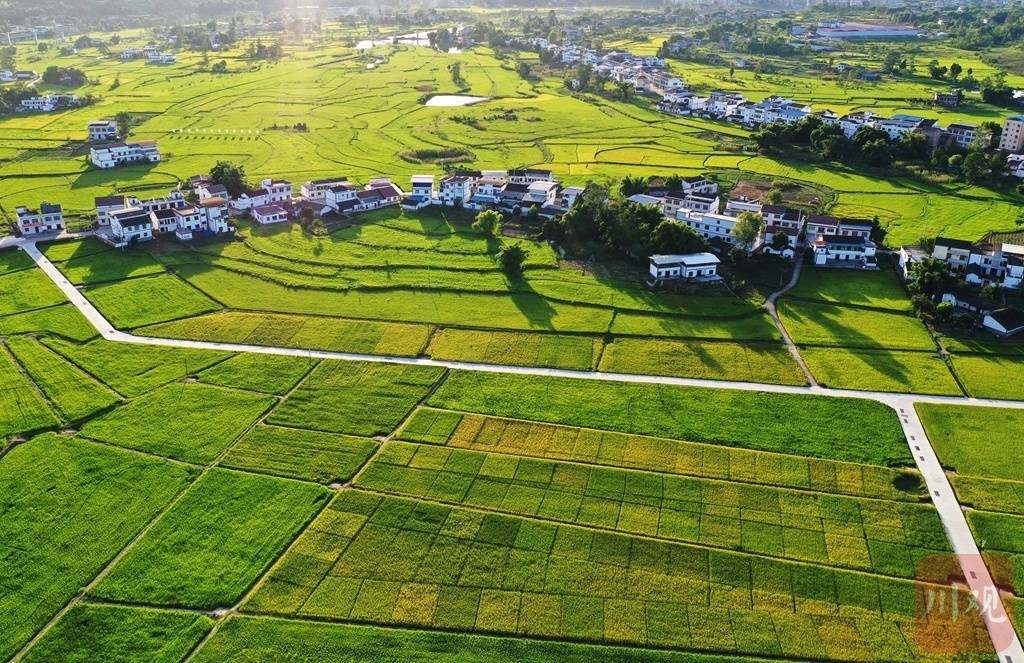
(783, 217)
(1012, 138)
(696, 267)
(267, 193)
(529, 176)
(900, 124)
(1004, 322)
(766, 241)
(709, 226)
(105, 205)
(48, 218)
(852, 122)
(541, 193)
(567, 197)
(164, 221)
(487, 191)
(132, 224)
(844, 251)
(47, 103)
(268, 214)
(961, 134)
(210, 190)
(646, 199)
(161, 58)
(1015, 165)
(997, 258)
(341, 198)
(110, 155)
(737, 206)
(511, 196)
(173, 200)
(949, 98)
(316, 190)
(423, 192)
(102, 131)
(457, 190)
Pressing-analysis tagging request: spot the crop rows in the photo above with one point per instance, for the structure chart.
(461, 569)
(874, 535)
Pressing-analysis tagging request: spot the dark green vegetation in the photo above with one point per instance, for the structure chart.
(114, 633)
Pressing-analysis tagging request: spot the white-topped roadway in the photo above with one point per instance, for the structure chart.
(1006, 642)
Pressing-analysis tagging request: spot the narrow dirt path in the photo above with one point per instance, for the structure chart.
(769, 306)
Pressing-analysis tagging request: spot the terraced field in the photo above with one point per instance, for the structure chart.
(199, 117)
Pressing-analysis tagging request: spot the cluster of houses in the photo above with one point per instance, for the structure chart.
(647, 74)
(835, 242)
(998, 258)
(8, 76)
(111, 155)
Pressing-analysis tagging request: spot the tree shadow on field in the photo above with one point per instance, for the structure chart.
(537, 310)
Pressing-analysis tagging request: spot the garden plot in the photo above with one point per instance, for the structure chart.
(22, 407)
(592, 446)
(109, 265)
(991, 376)
(457, 568)
(877, 289)
(63, 320)
(299, 454)
(188, 422)
(872, 535)
(26, 290)
(268, 374)
(515, 348)
(213, 543)
(69, 506)
(357, 398)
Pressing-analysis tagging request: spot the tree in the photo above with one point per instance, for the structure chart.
(877, 153)
(672, 237)
(747, 228)
(780, 240)
(954, 70)
(124, 122)
(991, 291)
(487, 222)
(512, 259)
(232, 176)
(930, 276)
(955, 162)
(633, 185)
(523, 68)
(773, 197)
(944, 312)
(976, 167)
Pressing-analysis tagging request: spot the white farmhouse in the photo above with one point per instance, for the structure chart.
(132, 224)
(110, 155)
(268, 214)
(1004, 322)
(316, 190)
(700, 267)
(48, 218)
(102, 131)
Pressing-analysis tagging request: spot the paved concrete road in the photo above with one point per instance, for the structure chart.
(1007, 644)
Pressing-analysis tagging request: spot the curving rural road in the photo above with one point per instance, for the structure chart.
(1005, 640)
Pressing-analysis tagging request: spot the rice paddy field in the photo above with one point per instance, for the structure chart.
(163, 504)
(480, 513)
(361, 121)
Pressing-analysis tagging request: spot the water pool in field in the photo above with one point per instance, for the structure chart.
(453, 100)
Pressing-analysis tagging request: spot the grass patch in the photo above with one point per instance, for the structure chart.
(976, 440)
(719, 361)
(14, 259)
(73, 392)
(73, 248)
(213, 544)
(881, 370)
(116, 633)
(515, 348)
(825, 324)
(69, 506)
(990, 494)
(63, 320)
(299, 454)
(859, 430)
(148, 300)
(21, 406)
(357, 398)
(261, 639)
(270, 374)
(133, 370)
(296, 331)
(189, 422)
(108, 266)
(991, 376)
(879, 289)
(27, 290)
(586, 445)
